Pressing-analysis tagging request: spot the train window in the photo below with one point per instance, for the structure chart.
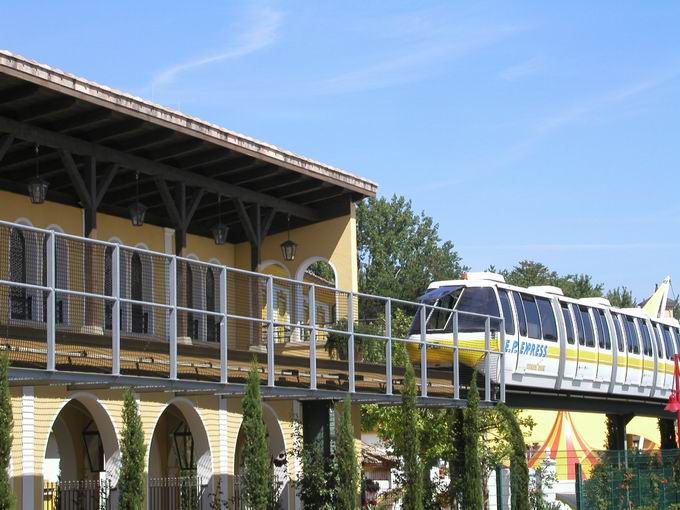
(587, 326)
(481, 300)
(581, 335)
(547, 319)
(568, 323)
(668, 342)
(507, 312)
(657, 336)
(438, 319)
(521, 317)
(676, 334)
(632, 336)
(646, 339)
(533, 318)
(619, 332)
(603, 330)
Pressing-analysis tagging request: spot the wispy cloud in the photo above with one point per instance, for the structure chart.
(576, 246)
(522, 70)
(426, 43)
(261, 33)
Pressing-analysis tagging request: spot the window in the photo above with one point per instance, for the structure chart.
(580, 333)
(632, 336)
(668, 341)
(108, 286)
(533, 318)
(521, 317)
(547, 319)
(20, 302)
(136, 293)
(192, 325)
(568, 323)
(676, 334)
(604, 338)
(507, 311)
(646, 339)
(481, 300)
(440, 318)
(212, 329)
(619, 332)
(587, 326)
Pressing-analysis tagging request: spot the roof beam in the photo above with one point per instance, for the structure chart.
(5, 143)
(76, 178)
(46, 108)
(49, 138)
(17, 93)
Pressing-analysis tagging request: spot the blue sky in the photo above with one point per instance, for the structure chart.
(540, 130)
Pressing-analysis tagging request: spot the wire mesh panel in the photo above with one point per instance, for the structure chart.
(147, 355)
(401, 351)
(197, 357)
(332, 362)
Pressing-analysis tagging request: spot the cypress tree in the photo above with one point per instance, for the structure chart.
(131, 485)
(6, 422)
(409, 444)
(456, 457)
(667, 434)
(473, 495)
(258, 472)
(519, 471)
(346, 458)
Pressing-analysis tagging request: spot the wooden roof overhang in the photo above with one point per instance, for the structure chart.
(93, 140)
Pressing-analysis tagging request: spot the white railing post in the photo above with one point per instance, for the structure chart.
(501, 351)
(173, 316)
(270, 331)
(456, 357)
(350, 342)
(51, 319)
(224, 331)
(388, 353)
(115, 310)
(487, 361)
(312, 337)
(423, 351)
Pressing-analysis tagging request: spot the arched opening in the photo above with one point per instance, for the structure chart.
(180, 461)
(136, 293)
(320, 272)
(278, 452)
(82, 458)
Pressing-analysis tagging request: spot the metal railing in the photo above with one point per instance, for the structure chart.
(77, 495)
(108, 308)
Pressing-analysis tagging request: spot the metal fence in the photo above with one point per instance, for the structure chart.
(77, 495)
(180, 493)
(630, 479)
(74, 304)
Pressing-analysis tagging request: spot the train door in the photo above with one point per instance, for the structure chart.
(648, 362)
(667, 362)
(621, 351)
(587, 349)
(605, 359)
(538, 353)
(511, 334)
(634, 362)
(568, 344)
(521, 338)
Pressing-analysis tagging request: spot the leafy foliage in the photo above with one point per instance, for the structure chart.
(400, 252)
(667, 434)
(473, 496)
(408, 445)
(131, 486)
(259, 487)
(519, 472)
(6, 423)
(346, 458)
(318, 482)
(621, 297)
(456, 457)
(542, 479)
(528, 273)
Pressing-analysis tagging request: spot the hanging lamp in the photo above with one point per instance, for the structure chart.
(220, 230)
(37, 187)
(137, 209)
(288, 248)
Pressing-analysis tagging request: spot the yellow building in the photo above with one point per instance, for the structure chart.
(91, 305)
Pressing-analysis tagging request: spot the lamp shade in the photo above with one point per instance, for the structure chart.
(673, 405)
(37, 190)
(137, 213)
(219, 233)
(288, 249)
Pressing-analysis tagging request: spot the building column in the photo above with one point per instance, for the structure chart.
(223, 417)
(27, 439)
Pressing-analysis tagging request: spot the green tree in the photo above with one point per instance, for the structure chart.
(346, 458)
(473, 496)
(456, 457)
(318, 480)
(621, 297)
(667, 433)
(519, 472)
(528, 273)
(408, 445)
(400, 252)
(259, 486)
(6, 423)
(131, 486)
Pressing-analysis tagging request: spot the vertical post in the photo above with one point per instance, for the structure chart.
(579, 487)
(501, 351)
(423, 352)
(388, 347)
(312, 337)
(499, 488)
(456, 357)
(270, 331)
(50, 320)
(115, 310)
(487, 361)
(224, 331)
(172, 278)
(350, 341)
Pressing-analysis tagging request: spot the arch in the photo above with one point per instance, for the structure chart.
(24, 221)
(278, 449)
(105, 425)
(302, 268)
(272, 262)
(18, 299)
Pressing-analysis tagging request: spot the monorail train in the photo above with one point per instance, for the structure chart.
(550, 340)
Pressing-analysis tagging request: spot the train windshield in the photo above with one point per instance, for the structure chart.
(475, 300)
